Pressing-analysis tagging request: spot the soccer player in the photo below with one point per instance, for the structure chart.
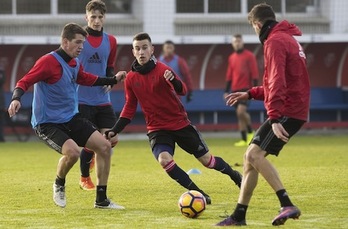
(98, 57)
(156, 87)
(242, 74)
(55, 116)
(285, 92)
(178, 65)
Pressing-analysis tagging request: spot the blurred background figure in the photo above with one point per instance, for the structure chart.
(178, 64)
(242, 74)
(2, 105)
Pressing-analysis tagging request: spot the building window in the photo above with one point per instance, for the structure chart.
(208, 6)
(33, 7)
(6, 7)
(78, 7)
(299, 6)
(236, 6)
(276, 4)
(224, 6)
(190, 6)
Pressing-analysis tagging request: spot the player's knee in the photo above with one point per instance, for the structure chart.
(207, 160)
(104, 149)
(72, 155)
(164, 158)
(251, 156)
(239, 114)
(163, 153)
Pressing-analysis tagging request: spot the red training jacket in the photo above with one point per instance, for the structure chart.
(286, 88)
(159, 102)
(242, 70)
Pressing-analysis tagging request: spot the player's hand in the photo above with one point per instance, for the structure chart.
(107, 88)
(113, 140)
(233, 98)
(169, 75)
(280, 132)
(14, 108)
(121, 76)
(109, 134)
(224, 96)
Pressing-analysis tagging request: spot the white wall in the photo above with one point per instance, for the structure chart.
(336, 11)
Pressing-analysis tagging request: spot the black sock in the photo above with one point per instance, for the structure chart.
(239, 212)
(244, 135)
(60, 181)
(223, 167)
(179, 175)
(101, 193)
(249, 129)
(284, 198)
(85, 160)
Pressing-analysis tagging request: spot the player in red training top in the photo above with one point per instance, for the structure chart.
(242, 74)
(155, 86)
(178, 65)
(285, 92)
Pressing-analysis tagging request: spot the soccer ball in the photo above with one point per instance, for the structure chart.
(192, 204)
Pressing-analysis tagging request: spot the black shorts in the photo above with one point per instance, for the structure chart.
(187, 138)
(55, 135)
(267, 141)
(101, 116)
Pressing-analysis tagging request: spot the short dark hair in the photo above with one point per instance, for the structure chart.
(71, 29)
(261, 12)
(168, 42)
(238, 36)
(142, 36)
(96, 5)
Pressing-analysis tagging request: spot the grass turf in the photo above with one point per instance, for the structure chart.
(313, 169)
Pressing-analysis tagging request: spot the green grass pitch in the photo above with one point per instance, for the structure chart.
(313, 169)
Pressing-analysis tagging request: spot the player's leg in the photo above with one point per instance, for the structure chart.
(264, 143)
(272, 145)
(246, 119)
(102, 149)
(217, 163)
(105, 119)
(250, 178)
(86, 134)
(86, 160)
(87, 155)
(190, 140)
(163, 147)
(244, 123)
(56, 137)
(71, 154)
